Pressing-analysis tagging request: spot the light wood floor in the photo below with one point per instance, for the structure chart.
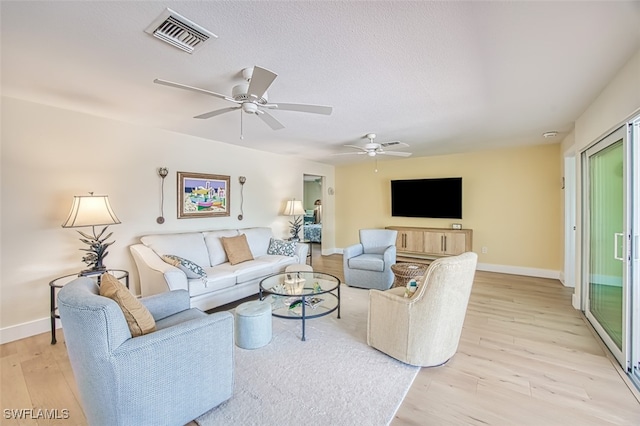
(526, 357)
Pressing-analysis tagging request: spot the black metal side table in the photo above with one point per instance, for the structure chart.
(58, 283)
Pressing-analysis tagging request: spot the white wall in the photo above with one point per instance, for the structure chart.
(49, 155)
(619, 100)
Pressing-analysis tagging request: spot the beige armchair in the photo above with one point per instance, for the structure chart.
(424, 330)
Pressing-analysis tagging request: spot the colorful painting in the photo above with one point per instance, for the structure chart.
(202, 195)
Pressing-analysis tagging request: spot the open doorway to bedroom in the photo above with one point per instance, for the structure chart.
(312, 202)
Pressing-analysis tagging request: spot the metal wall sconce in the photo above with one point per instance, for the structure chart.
(162, 172)
(242, 180)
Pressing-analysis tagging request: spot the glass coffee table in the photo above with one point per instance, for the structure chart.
(301, 295)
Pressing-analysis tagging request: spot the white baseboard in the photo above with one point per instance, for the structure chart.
(519, 270)
(575, 301)
(329, 252)
(27, 329)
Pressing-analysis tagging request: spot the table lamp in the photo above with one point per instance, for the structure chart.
(92, 210)
(294, 208)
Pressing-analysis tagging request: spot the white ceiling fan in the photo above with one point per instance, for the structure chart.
(252, 97)
(372, 148)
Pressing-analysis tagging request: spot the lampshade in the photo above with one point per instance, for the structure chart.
(90, 210)
(293, 208)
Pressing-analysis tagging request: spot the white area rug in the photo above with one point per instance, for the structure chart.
(333, 378)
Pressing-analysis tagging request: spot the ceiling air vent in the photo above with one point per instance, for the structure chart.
(178, 31)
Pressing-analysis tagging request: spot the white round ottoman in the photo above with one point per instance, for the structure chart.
(253, 324)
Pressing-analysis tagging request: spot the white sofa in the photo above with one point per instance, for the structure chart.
(224, 282)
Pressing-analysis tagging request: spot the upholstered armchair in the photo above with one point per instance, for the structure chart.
(368, 264)
(166, 377)
(425, 329)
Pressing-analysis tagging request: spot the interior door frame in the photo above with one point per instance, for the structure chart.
(321, 180)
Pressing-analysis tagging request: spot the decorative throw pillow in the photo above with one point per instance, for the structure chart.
(237, 249)
(281, 247)
(188, 267)
(139, 319)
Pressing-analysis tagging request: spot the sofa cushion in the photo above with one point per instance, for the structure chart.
(277, 263)
(258, 239)
(218, 278)
(190, 269)
(139, 319)
(281, 247)
(247, 271)
(367, 262)
(237, 249)
(212, 240)
(186, 245)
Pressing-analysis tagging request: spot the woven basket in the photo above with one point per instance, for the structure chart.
(403, 272)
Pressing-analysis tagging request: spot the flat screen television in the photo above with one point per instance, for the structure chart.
(434, 198)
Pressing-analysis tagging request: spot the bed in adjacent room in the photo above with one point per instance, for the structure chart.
(313, 232)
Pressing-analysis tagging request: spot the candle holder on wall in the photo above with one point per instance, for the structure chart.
(242, 180)
(162, 172)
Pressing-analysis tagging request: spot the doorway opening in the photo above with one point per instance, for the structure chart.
(312, 202)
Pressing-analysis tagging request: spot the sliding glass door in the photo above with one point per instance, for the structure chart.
(607, 193)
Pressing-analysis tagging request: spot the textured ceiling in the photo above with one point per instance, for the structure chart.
(443, 77)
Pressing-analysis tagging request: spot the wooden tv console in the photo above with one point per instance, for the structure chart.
(430, 243)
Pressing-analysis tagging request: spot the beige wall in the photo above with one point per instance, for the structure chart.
(49, 155)
(511, 200)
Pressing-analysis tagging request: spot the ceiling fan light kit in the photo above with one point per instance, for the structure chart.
(373, 149)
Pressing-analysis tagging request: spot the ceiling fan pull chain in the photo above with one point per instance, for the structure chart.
(241, 134)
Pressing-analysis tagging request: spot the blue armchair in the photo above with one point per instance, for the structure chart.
(170, 376)
(368, 264)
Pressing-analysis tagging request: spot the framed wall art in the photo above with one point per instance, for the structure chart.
(202, 195)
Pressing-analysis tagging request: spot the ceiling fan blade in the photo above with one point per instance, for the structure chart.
(193, 89)
(260, 81)
(314, 109)
(217, 112)
(270, 120)
(350, 153)
(357, 147)
(395, 153)
(393, 143)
